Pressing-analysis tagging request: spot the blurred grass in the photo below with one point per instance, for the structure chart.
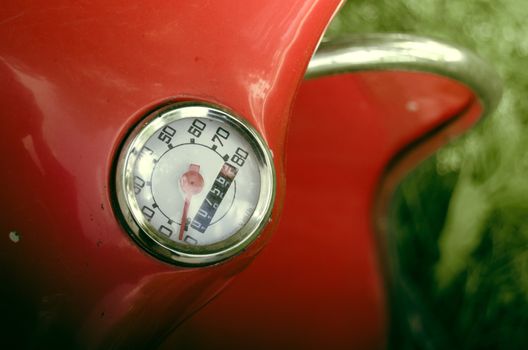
(460, 219)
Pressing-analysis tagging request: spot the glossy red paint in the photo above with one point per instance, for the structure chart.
(319, 283)
(75, 78)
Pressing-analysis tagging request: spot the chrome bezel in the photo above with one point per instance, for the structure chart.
(145, 234)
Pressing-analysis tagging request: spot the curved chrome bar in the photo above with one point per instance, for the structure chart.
(408, 52)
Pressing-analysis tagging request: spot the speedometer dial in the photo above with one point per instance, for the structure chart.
(194, 184)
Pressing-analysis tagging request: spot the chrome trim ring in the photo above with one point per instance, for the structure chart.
(140, 228)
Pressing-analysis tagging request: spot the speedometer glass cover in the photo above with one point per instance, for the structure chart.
(194, 184)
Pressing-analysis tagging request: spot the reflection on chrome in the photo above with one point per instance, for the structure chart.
(411, 53)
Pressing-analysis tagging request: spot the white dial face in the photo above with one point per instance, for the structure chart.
(197, 182)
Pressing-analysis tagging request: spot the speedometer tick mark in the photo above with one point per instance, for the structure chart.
(190, 240)
(226, 157)
(213, 147)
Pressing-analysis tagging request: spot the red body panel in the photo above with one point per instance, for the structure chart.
(75, 78)
(318, 284)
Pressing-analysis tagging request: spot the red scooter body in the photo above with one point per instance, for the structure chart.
(76, 77)
(319, 283)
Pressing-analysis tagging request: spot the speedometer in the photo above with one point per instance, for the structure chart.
(194, 184)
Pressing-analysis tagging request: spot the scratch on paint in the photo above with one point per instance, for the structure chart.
(12, 18)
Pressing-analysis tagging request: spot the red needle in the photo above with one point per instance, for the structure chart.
(191, 183)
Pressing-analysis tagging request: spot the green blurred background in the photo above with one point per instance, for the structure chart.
(461, 218)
